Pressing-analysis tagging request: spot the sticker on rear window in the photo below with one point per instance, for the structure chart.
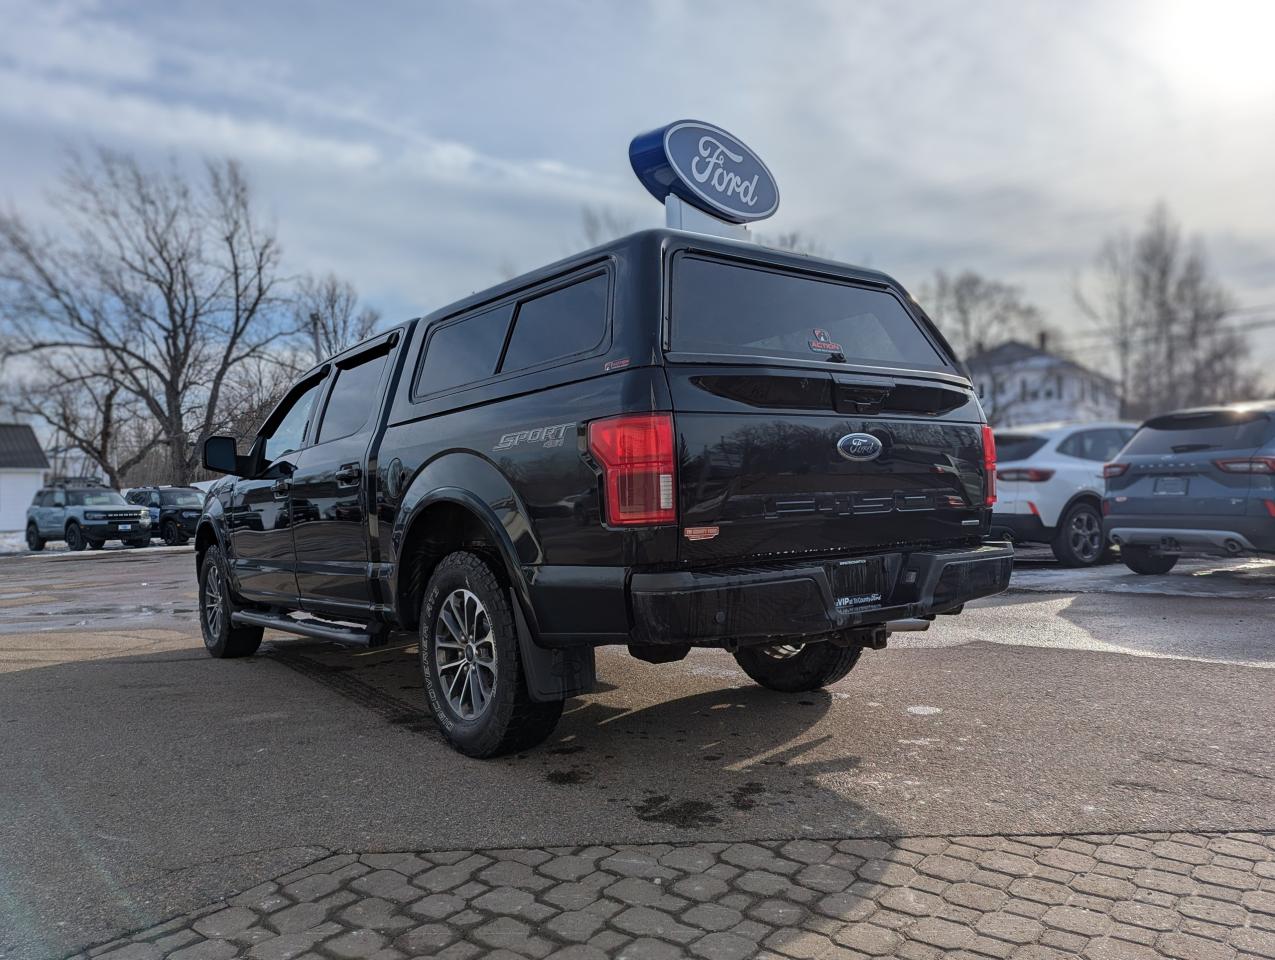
(822, 343)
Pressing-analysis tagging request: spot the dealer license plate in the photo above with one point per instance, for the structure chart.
(857, 584)
(126, 526)
(1170, 486)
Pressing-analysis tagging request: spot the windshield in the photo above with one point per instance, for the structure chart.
(181, 498)
(1017, 446)
(1211, 430)
(94, 498)
(730, 309)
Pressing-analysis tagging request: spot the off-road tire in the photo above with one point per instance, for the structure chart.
(172, 536)
(35, 542)
(96, 544)
(223, 639)
(75, 539)
(510, 721)
(811, 666)
(1142, 560)
(1079, 540)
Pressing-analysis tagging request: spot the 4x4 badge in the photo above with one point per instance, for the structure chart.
(859, 446)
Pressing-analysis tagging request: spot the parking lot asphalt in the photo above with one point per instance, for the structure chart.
(144, 780)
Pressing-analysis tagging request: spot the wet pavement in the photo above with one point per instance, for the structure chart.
(148, 780)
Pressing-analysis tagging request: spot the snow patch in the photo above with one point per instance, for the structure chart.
(923, 711)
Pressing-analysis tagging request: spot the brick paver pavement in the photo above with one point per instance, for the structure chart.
(1183, 896)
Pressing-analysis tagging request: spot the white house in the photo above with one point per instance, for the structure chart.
(22, 468)
(1019, 383)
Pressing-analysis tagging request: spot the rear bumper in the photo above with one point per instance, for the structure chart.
(1021, 528)
(1230, 537)
(751, 604)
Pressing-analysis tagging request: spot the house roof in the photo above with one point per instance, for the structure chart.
(19, 448)
(1015, 352)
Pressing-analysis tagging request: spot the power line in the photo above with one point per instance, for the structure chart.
(1096, 339)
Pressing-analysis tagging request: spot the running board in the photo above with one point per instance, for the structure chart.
(372, 636)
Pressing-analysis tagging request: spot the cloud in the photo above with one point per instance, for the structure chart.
(416, 149)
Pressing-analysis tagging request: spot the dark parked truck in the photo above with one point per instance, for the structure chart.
(671, 441)
(1196, 481)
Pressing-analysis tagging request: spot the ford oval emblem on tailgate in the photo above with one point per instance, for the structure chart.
(859, 446)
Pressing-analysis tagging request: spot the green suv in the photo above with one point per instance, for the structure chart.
(85, 513)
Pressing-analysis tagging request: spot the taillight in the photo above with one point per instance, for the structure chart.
(989, 465)
(1270, 507)
(1110, 470)
(636, 456)
(1030, 474)
(1247, 465)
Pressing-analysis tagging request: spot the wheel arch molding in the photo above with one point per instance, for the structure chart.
(468, 483)
(483, 502)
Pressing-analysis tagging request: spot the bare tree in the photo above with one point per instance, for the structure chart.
(1153, 297)
(796, 242)
(87, 409)
(327, 310)
(976, 313)
(170, 281)
(601, 224)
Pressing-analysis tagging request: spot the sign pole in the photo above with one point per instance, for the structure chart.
(680, 215)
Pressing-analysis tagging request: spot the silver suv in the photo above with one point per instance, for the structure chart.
(85, 513)
(1196, 481)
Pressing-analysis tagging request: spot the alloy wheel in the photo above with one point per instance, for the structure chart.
(213, 608)
(465, 654)
(1085, 535)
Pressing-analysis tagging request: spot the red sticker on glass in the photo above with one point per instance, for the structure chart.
(822, 343)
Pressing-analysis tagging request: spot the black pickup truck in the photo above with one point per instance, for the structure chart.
(670, 441)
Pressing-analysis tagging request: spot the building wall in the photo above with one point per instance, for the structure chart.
(1037, 393)
(17, 487)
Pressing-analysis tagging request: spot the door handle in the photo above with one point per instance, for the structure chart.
(348, 474)
(280, 488)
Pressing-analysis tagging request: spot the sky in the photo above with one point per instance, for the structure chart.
(426, 150)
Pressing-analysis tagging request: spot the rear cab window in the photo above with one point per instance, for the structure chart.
(728, 308)
(1208, 430)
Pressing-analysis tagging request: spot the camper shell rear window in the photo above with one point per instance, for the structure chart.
(734, 308)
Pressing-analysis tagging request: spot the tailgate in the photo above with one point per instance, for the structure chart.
(777, 462)
(1190, 464)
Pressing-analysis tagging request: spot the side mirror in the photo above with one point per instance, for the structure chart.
(219, 455)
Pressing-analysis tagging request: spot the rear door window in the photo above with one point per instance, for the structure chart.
(735, 310)
(464, 351)
(1196, 432)
(560, 323)
(1017, 446)
(353, 398)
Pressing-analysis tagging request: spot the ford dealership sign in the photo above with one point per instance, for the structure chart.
(708, 168)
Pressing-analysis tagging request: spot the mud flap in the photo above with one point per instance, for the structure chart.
(552, 674)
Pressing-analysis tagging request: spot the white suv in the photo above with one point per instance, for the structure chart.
(1049, 485)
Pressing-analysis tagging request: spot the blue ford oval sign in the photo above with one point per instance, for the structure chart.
(859, 446)
(706, 167)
